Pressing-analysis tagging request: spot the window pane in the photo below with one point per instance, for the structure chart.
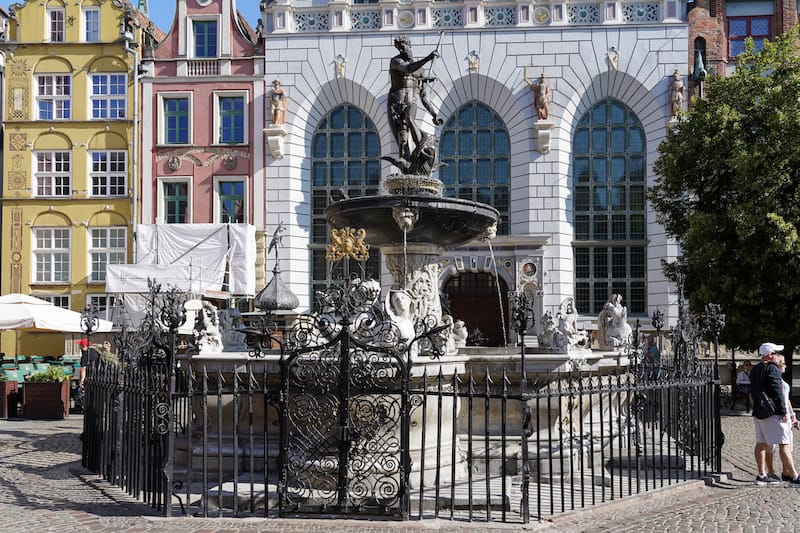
(618, 202)
(737, 27)
(354, 145)
(581, 143)
(636, 140)
(582, 199)
(581, 167)
(599, 141)
(337, 144)
(617, 139)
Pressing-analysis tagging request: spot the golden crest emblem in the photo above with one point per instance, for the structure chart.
(347, 243)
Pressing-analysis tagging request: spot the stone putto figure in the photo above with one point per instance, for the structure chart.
(613, 329)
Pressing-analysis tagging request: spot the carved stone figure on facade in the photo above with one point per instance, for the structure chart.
(676, 94)
(277, 103)
(340, 63)
(613, 58)
(474, 60)
(613, 329)
(406, 82)
(542, 96)
(206, 334)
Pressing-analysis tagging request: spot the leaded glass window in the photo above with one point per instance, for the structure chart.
(475, 151)
(345, 160)
(609, 170)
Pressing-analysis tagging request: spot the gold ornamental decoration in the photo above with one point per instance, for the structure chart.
(349, 243)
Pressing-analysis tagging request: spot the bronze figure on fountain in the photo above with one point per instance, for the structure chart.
(406, 83)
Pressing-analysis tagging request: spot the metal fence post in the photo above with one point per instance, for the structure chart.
(522, 316)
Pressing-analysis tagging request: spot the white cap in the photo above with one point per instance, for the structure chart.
(769, 348)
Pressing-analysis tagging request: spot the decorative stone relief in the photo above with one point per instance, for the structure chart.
(17, 141)
(448, 18)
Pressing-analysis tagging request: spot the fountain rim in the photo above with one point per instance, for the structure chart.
(360, 209)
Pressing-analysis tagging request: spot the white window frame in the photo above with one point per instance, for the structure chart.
(217, 203)
(85, 28)
(162, 123)
(119, 113)
(52, 257)
(160, 212)
(64, 301)
(102, 254)
(98, 190)
(52, 18)
(52, 86)
(103, 304)
(218, 117)
(190, 41)
(51, 179)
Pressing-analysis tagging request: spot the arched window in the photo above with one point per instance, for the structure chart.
(609, 169)
(474, 149)
(345, 159)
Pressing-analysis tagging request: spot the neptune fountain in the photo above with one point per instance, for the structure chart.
(413, 223)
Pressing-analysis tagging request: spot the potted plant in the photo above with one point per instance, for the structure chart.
(46, 394)
(8, 394)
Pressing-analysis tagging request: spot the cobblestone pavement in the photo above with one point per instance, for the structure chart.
(44, 488)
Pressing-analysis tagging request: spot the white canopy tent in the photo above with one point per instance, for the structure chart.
(26, 313)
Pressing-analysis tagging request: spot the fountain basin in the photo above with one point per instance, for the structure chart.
(448, 222)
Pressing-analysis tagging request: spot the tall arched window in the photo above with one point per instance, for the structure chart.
(345, 159)
(609, 169)
(474, 149)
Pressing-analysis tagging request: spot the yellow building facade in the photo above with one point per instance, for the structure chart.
(68, 154)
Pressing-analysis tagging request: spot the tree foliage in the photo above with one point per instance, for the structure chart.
(729, 193)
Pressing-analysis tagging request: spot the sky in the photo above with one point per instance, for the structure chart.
(162, 11)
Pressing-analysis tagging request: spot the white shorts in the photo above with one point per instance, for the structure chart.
(773, 431)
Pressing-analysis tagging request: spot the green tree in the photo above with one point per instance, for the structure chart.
(729, 193)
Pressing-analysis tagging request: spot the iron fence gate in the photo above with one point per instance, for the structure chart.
(345, 417)
(345, 421)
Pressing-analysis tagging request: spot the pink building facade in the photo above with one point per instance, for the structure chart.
(202, 145)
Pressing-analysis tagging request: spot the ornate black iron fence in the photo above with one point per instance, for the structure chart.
(344, 422)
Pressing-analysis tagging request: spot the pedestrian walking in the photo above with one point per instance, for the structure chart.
(770, 414)
(742, 389)
(788, 472)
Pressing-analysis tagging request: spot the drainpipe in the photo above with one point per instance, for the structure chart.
(128, 40)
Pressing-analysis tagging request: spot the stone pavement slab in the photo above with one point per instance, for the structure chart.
(43, 488)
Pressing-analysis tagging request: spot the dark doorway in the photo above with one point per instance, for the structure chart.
(474, 299)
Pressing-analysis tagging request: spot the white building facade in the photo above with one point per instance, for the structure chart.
(571, 187)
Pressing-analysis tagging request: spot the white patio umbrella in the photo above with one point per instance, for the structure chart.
(27, 313)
